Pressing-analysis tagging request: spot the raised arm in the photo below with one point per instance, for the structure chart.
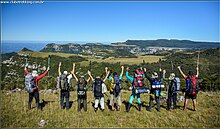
(106, 70)
(145, 73)
(43, 75)
(73, 72)
(160, 74)
(197, 72)
(127, 75)
(164, 77)
(59, 73)
(106, 76)
(181, 72)
(25, 69)
(122, 70)
(88, 80)
(89, 73)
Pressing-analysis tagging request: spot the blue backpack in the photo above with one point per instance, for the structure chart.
(117, 85)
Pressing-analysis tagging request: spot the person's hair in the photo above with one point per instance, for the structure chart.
(190, 73)
(138, 67)
(115, 73)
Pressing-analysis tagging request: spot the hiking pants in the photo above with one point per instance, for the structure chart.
(133, 96)
(101, 102)
(34, 94)
(65, 94)
(118, 98)
(157, 98)
(171, 97)
(82, 99)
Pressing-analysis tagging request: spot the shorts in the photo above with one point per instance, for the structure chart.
(190, 96)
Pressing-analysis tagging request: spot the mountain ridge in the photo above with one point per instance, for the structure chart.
(132, 46)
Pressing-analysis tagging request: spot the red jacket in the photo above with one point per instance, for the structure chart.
(38, 77)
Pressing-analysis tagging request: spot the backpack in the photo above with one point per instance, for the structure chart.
(98, 87)
(81, 86)
(190, 87)
(177, 83)
(157, 84)
(138, 78)
(64, 85)
(29, 83)
(173, 86)
(117, 85)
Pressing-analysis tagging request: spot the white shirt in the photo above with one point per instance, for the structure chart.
(69, 77)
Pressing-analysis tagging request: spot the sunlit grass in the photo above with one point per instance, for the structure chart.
(14, 113)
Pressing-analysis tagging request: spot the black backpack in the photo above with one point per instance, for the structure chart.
(173, 86)
(98, 87)
(117, 85)
(64, 85)
(81, 86)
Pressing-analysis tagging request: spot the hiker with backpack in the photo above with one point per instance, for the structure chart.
(155, 89)
(81, 90)
(31, 85)
(115, 88)
(191, 87)
(137, 82)
(64, 83)
(172, 89)
(99, 89)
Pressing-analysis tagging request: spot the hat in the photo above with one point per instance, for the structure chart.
(154, 75)
(34, 73)
(172, 76)
(65, 72)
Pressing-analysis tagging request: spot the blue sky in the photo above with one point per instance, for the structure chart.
(110, 21)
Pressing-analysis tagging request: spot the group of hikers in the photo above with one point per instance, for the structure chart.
(100, 89)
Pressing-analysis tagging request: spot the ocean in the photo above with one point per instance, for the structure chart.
(16, 47)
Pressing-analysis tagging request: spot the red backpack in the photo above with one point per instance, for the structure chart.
(138, 78)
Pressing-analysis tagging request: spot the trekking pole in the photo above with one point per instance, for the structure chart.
(160, 63)
(90, 66)
(171, 65)
(198, 59)
(49, 63)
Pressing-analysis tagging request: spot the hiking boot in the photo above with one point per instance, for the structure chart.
(149, 109)
(118, 108)
(128, 107)
(158, 110)
(95, 109)
(139, 107)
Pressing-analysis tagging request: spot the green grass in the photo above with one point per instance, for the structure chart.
(14, 113)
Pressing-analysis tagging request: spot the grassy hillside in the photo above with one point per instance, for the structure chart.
(138, 60)
(129, 61)
(13, 74)
(14, 113)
